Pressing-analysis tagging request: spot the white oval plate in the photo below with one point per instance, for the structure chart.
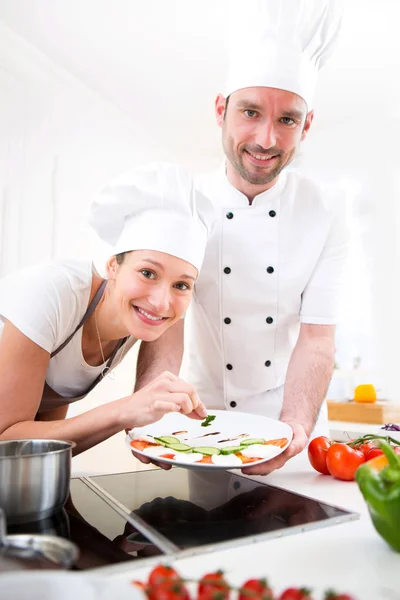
(226, 423)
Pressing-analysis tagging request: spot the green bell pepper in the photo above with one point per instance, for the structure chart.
(379, 482)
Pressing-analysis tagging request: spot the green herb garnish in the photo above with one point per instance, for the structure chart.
(208, 420)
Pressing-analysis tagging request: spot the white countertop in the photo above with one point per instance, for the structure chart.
(350, 556)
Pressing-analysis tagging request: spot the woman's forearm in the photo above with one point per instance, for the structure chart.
(85, 430)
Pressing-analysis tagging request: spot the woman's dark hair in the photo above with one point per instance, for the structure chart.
(120, 257)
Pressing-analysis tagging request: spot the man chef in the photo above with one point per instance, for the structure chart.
(266, 302)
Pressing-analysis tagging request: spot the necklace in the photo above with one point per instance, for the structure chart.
(107, 372)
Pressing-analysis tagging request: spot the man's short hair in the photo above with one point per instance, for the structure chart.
(226, 105)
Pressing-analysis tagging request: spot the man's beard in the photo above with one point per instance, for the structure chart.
(259, 177)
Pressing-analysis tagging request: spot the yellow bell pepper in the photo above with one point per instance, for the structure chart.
(365, 393)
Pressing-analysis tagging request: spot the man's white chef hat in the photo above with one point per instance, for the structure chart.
(281, 44)
(154, 207)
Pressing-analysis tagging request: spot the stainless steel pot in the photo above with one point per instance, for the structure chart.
(34, 478)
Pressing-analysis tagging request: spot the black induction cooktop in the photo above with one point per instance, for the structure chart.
(132, 516)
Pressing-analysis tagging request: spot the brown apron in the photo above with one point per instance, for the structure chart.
(50, 398)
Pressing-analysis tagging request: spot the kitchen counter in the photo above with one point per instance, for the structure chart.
(349, 556)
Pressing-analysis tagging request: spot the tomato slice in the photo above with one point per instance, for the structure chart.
(141, 445)
(206, 460)
(281, 442)
(246, 459)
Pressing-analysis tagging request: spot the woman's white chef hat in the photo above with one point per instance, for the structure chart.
(154, 207)
(281, 44)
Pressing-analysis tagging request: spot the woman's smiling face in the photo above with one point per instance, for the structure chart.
(151, 291)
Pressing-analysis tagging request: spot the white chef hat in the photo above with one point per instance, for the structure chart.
(281, 44)
(154, 207)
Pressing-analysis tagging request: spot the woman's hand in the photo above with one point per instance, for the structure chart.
(167, 393)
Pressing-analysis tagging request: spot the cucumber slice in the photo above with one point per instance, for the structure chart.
(180, 447)
(206, 450)
(251, 441)
(167, 439)
(231, 449)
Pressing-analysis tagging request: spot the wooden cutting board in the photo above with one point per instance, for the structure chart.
(379, 412)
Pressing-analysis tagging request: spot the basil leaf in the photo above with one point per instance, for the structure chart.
(208, 420)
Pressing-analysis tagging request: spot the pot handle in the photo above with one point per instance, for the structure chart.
(3, 529)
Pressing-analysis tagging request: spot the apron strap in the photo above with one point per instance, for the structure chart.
(91, 308)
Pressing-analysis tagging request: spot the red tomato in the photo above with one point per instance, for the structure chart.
(213, 582)
(161, 574)
(343, 461)
(169, 590)
(333, 596)
(220, 595)
(372, 453)
(255, 589)
(366, 447)
(317, 450)
(296, 594)
(396, 449)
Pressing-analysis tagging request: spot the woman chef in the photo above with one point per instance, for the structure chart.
(63, 327)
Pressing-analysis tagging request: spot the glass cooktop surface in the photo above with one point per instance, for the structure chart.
(136, 515)
(191, 508)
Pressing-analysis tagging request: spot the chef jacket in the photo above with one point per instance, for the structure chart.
(269, 267)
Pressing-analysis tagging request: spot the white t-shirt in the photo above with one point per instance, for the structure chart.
(46, 303)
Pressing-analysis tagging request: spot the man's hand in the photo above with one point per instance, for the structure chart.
(297, 444)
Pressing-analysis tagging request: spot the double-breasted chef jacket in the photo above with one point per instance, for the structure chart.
(269, 266)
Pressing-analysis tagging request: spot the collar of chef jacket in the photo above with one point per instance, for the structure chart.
(230, 197)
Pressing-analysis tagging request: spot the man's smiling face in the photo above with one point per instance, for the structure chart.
(261, 131)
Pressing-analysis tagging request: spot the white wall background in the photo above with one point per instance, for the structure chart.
(88, 87)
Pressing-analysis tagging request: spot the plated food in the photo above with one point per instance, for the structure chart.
(230, 440)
